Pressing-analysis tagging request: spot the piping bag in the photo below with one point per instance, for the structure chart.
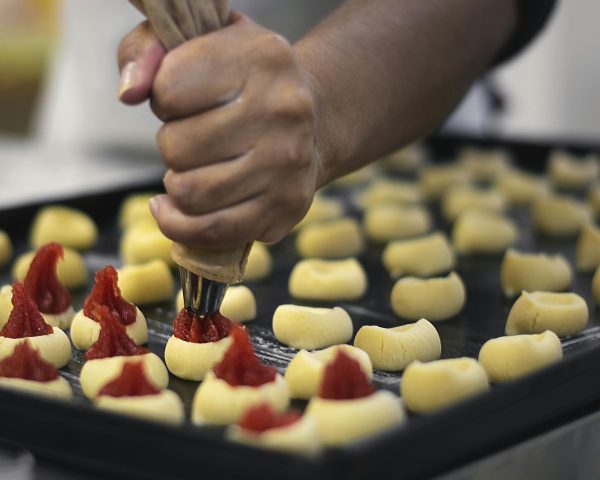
(205, 274)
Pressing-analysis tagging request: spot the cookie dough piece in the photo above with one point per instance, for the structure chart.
(357, 177)
(58, 388)
(593, 200)
(596, 286)
(164, 407)
(55, 347)
(147, 283)
(422, 257)
(478, 232)
(322, 209)
(559, 215)
(484, 165)
(462, 198)
(67, 226)
(192, 361)
(143, 241)
(521, 188)
(392, 349)
(334, 239)
(395, 192)
(5, 304)
(536, 312)
(509, 358)
(6, 248)
(305, 372)
(135, 208)
(71, 270)
(569, 172)
(436, 180)
(239, 303)
(384, 223)
(311, 328)
(406, 160)
(259, 264)
(588, 248)
(328, 280)
(428, 387)
(534, 272)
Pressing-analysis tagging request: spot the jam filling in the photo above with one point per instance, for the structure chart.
(25, 320)
(113, 340)
(42, 283)
(106, 292)
(343, 379)
(191, 327)
(132, 382)
(260, 418)
(240, 365)
(27, 364)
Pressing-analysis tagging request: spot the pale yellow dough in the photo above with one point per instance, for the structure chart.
(596, 286)
(357, 177)
(422, 257)
(67, 226)
(593, 199)
(165, 407)
(394, 192)
(387, 222)
(338, 238)
(134, 208)
(97, 373)
(463, 198)
(58, 388)
(428, 387)
(484, 165)
(556, 215)
(5, 304)
(314, 279)
(85, 331)
(588, 248)
(55, 347)
(239, 303)
(217, 402)
(570, 172)
(6, 248)
(259, 264)
(392, 349)
(71, 270)
(61, 320)
(435, 180)
(534, 272)
(305, 372)
(143, 241)
(521, 188)
(479, 232)
(322, 209)
(407, 160)
(536, 312)
(341, 422)
(192, 361)
(150, 282)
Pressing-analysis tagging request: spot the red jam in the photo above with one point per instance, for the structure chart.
(193, 328)
(106, 292)
(240, 365)
(132, 382)
(27, 364)
(113, 340)
(262, 417)
(25, 320)
(42, 283)
(343, 379)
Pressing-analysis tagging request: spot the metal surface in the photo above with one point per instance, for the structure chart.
(201, 295)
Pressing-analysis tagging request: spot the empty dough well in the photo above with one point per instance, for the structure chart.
(558, 216)
(406, 160)
(521, 188)
(322, 209)
(462, 198)
(435, 180)
(143, 242)
(587, 256)
(337, 238)
(135, 208)
(386, 192)
(387, 222)
(570, 172)
(481, 232)
(146, 283)
(484, 165)
(259, 263)
(67, 226)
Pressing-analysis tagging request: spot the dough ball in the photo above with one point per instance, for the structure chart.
(147, 283)
(462, 198)
(435, 180)
(596, 286)
(58, 388)
(422, 257)
(259, 264)
(588, 248)
(436, 299)
(509, 358)
(192, 361)
(6, 248)
(484, 165)
(480, 232)
(392, 349)
(305, 372)
(71, 270)
(328, 280)
(569, 172)
(67, 226)
(536, 312)
(135, 208)
(239, 303)
(322, 209)
(143, 241)
(559, 215)
(5, 304)
(60, 320)
(357, 177)
(384, 223)
(333, 239)
(407, 160)
(386, 191)
(593, 200)
(521, 188)
(534, 272)
(165, 407)
(55, 347)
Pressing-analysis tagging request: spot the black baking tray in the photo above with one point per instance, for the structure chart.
(76, 434)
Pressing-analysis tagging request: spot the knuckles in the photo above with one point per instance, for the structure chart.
(270, 50)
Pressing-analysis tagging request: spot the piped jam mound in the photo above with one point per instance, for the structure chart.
(25, 320)
(132, 382)
(113, 340)
(27, 364)
(191, 327)
(262, 417)
(240, 365)
(42, 283)
(343, 379)
(106, 292)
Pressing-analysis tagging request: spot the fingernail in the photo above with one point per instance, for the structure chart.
(154, 204)
(128, 78)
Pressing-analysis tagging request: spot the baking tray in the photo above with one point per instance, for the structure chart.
(76, 434)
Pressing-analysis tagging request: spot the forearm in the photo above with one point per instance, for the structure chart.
(385, 72)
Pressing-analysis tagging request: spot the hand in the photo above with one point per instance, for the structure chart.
(239, 132)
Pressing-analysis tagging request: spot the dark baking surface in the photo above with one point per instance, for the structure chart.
(75, 433)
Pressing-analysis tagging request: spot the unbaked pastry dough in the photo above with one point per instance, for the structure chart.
(508, 358)
(58, 388)
(407, 160)
(462, 198)
(357, 177)
(192, 361)
(71, 269)
(338, 238)
(534, 272)
(395, 192)
(322, 209)
(536, 312)
(570, 172)
(325, 280)
(484, 165)
(392, 349)
(135, 208)
(556, 215)
(6, 248)
(428, 387)
(593, 199)
(55, 347)
(143, 241)
(596, 286)
(422, 257)
(391, 222)
(67, 226)
(164, 407)
(588, 248)
(239, 303)
(479, 232)
(259, 264)
(436, 179)
(150, 282)
(5, 304)
(521, 188)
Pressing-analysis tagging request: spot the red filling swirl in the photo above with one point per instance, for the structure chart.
(343, 379)
(25, 320)
(106, 292)
(132, 382)
(262, 417)
(26, 363)
(192, 328)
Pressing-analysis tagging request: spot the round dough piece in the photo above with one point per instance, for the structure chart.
(588, 248)
(338, 238)
(71, 270)
(392, 349)
(305, 372)
(165, 407)
(85, 331)
(6, 248)
(311, 328)
(97, 373)
(435, 180)
(135, 208)
(357, 177)
(341, 422)
(484, 165)
(5, 304)
(192, 361)
(536, 312)
(407, 160)
(328, 280)
(390, 222)
(559, 216)
(322, 209)
(534, 272)
(58, 388)
(55, 347)
(147, 283)
(593, 200)
(521, 188)
(143, 241)
(509, 358)
(61, 320)
(239, 303)
(569, 172)
(479, 232)
(386, 192)
(216, 402)
(422, 257)
(596, 286)
(462, 198)
(259, 264)
(428, 387)
(67, 226)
